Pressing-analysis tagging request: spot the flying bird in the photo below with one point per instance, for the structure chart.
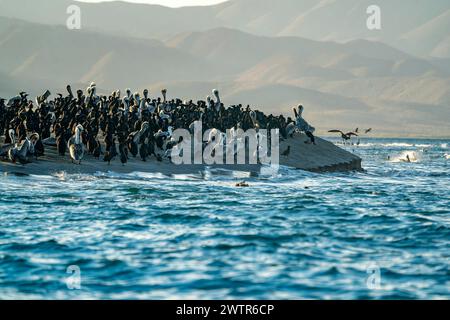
(345, 136)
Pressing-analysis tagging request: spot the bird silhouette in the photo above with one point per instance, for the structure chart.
(286, 152)
(345, 136)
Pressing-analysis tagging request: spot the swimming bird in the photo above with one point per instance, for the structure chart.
(242, 184)
(407, 159)
(76, 147)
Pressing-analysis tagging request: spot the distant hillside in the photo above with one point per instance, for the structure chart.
(51, 55)
(358, 83)
(418, 27)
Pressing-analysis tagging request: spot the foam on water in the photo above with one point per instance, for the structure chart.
(414, 156)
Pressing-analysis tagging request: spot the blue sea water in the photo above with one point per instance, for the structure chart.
(381, 234)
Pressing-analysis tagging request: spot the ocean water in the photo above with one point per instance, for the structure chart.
(381, 234)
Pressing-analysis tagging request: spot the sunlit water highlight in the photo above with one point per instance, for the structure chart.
(290, 236)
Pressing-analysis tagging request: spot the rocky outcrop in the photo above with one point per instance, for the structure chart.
(322, 157)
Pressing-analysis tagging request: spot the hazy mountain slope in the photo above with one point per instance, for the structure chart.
(118, 18)
(337, 20)
(55, 55)
(234, 51)
(342, 85)
(431, 38)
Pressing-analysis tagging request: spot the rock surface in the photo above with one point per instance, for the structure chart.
(323, 157)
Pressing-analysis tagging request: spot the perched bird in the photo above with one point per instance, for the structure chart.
(123, 151)
(36, 146)
(290, 129)
(8, 144)
(108, 157)
(61, 145)
(286, 152)
(19, 152)
(143, 151)
(134, 138)
(97, 150)
(76, 147)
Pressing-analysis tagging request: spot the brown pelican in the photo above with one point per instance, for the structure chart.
(36, 145)
(218, 102)
(19, 152)
(128, 93)
(368, 130)
(126, 104)
(210, 102)
(91, 93)
(61, 144)
(254, 119)
(76, 147)
(135, 137)
(345, 136)
(13, 100)
(290, 129)
(7, 146)
(137, 98)
(41, 99)
(145, 94)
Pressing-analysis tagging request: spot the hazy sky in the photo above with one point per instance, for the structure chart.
(170, 3)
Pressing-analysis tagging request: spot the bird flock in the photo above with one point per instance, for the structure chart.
(118, 127)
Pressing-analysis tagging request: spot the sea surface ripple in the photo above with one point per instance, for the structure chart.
(379, 234)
